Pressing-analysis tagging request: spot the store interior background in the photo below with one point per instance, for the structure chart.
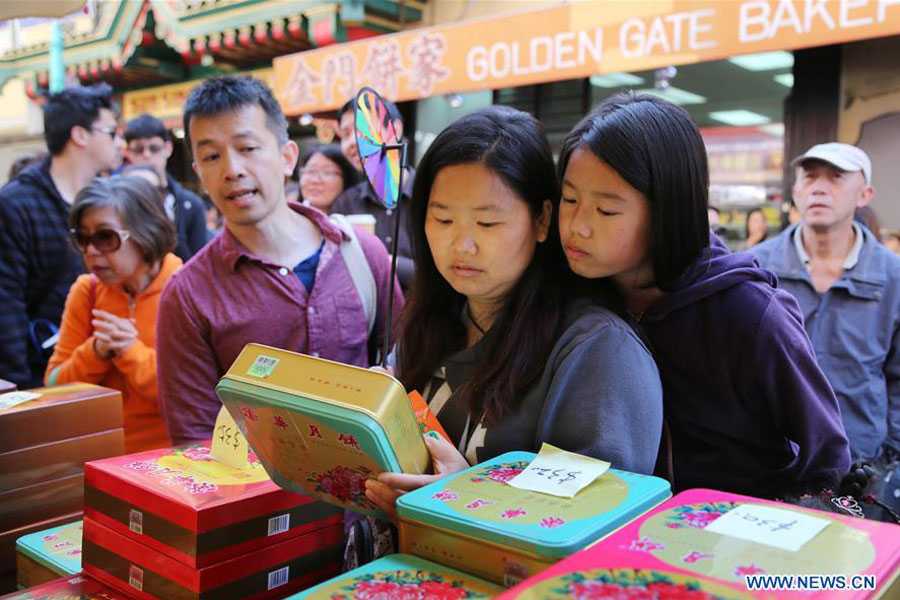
(738, 104)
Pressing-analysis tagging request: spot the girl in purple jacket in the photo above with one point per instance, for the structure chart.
(747, 408)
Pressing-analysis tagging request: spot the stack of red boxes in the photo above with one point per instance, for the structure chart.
(178, 524)
(68, 588)
(44, 444)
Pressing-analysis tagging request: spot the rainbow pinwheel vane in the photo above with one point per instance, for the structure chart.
(380, 152)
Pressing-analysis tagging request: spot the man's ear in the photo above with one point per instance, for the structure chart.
(290, 153)
(78, 135)
(865, 196)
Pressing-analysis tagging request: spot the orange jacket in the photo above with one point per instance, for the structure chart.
(133, 373)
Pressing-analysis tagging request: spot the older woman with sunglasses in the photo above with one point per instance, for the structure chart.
(108, 330)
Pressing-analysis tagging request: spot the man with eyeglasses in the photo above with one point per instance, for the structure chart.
(147, 142)
(37, 263)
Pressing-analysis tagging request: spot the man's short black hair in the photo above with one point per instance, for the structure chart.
(74, 106)
(227, 93)
(144, 127)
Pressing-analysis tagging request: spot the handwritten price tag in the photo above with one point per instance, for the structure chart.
(11, 399)
(559, 473)
(229, 446)
(768, 525)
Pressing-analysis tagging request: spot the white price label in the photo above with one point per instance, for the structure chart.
(279, 524)
(785, 529)
(10, 399)
(559, 473)
(279, 577)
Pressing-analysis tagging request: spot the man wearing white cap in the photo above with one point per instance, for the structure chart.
(848, 286)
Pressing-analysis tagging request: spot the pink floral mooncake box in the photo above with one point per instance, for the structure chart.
(669, 553)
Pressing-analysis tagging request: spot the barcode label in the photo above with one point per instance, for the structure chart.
(136, 577)
(136, 521)
(278, 577)
(279, 524)
(262, 367)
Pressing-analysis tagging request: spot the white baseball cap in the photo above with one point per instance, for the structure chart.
(843, 156)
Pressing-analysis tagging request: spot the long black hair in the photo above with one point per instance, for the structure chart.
(656, 147)
(513, 146)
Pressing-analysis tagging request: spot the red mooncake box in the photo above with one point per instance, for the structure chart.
(68, 588)
(272, 571)
(183, 503)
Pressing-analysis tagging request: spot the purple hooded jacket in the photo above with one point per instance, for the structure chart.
(747, 406)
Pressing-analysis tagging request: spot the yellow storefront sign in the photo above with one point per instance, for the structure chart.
(578, 39)
(166, 102)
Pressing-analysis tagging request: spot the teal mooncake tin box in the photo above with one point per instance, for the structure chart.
(474, 521)
(320, 427)
(45, 555)
(401, 576)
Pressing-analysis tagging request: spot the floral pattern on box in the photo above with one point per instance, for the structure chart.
(192, 470)
(484, 493)
(697, 515)
(404, 585)
(629, 584)
(346, 485)
(680, 539)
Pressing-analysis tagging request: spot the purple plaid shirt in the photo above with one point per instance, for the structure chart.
(225, 298)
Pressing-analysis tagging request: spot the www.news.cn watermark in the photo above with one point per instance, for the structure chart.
(809, 583)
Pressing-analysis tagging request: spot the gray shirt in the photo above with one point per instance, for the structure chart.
(599, 395)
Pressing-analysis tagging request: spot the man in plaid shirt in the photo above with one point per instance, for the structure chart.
(37, 264)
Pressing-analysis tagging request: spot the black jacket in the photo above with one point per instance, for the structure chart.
(190, 220)
(37, 267)
(360, 199)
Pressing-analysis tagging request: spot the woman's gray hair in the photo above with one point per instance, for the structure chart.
(138, 204)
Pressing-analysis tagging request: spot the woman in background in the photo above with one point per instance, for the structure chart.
(324, 175)
(108, 330)
(756, 230)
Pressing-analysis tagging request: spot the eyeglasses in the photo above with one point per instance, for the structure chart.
(103, 240)
(112, 131)
(320, 175)
(149, 148)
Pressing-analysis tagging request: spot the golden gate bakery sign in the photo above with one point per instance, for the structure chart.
(578, 39)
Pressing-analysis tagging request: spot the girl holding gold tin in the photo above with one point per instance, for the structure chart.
(494, 334)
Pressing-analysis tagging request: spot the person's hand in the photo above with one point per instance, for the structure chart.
(445, 460)
(112, 335)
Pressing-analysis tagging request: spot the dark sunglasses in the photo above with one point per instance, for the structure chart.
(103, 240)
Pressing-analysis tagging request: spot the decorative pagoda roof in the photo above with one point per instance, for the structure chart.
(137, 43)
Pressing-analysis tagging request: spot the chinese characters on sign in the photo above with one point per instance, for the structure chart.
(785, 529)
(340, 74)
